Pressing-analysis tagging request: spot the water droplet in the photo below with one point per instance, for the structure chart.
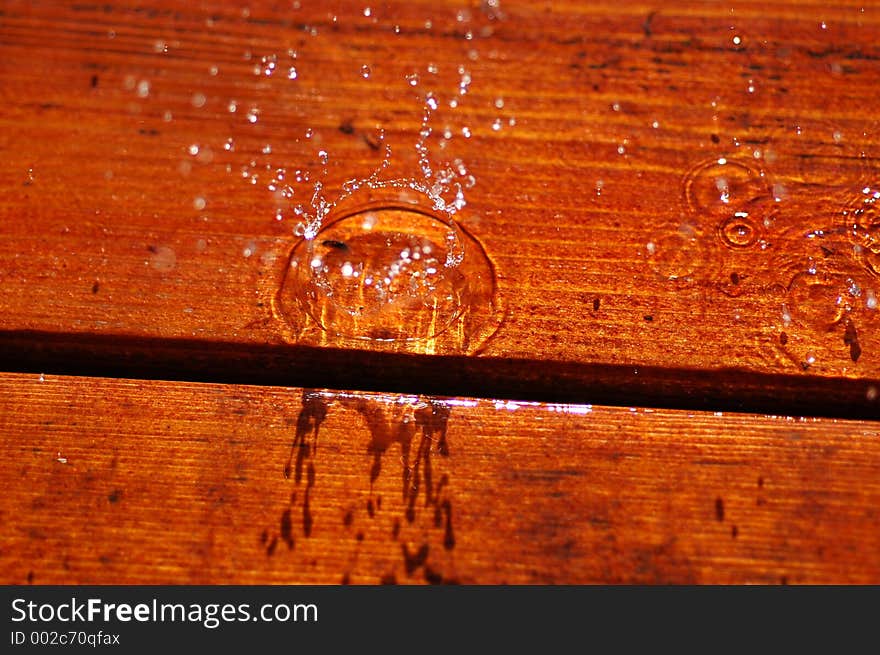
(193, 149)
(143, 88)
(413, 79)
(496, 124)
(267, 65)
(323, 156)
(368, 12)
(817, 300)
(291, 73)
(465, 80)
(365, 71)
(393, 276)
(198, 100)
(229, 145)
(199, 203)
(253, 115)
(267, 149)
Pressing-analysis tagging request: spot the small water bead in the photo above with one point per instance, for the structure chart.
(198, 100)
(193, 149)
(232, 107)
(368, 12)
(267, 149)
(253, 115)
(167, 116)
(323, 157)
(229, 145)
(143, 89)
(199, 203)
(291, 73)
(412, 79)
(466, 132)
(432, 69)
(365, 72)
(309, 132)
(496, 125)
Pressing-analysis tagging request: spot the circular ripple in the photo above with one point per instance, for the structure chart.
(860, 220)
(387, 273)
(738, 232)
(733, 194)
(677, 255)
(817, 299)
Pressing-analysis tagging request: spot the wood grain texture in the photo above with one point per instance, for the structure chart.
(112, 481)
(610, 274)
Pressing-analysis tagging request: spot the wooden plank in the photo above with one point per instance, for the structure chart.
(125, 481)
(616, 264)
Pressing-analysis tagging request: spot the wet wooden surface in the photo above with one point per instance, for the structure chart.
(617, 266)
(678, 205)
(111, 481)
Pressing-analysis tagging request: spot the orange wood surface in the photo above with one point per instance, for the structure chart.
(607, 270)
(110, 481)
(679, 210)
